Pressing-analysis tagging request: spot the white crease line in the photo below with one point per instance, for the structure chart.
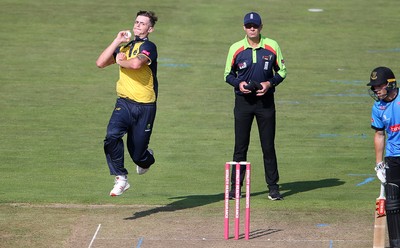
(94, 236)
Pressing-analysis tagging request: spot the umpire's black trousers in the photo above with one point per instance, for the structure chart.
(263, 109)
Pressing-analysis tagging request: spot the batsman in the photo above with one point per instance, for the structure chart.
(386, 123)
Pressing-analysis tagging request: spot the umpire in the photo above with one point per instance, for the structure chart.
(255, 67)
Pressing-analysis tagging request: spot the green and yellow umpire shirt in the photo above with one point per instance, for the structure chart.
(264, 63)
(140, 85)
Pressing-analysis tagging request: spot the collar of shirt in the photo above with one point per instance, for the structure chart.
(247, 45)
(137, 39)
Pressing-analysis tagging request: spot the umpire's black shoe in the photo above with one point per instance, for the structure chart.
(232, 194)
(274, 195)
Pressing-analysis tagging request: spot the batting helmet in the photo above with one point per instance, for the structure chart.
(379, 76)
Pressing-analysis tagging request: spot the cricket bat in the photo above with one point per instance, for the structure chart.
(380, 220)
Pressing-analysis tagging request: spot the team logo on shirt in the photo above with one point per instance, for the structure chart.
(268, 57)
(242, 65)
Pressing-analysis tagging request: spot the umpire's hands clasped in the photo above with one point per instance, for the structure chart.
(265, 86)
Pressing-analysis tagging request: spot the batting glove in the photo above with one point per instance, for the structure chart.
(380, 169)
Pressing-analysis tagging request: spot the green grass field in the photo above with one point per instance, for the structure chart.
(55, 104)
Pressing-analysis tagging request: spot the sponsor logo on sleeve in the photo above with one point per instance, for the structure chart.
(145, 52)
(242, 65)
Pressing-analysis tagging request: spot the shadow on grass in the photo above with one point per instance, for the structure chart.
(304, 186)
(192, 201)
(183, 202)
(180, 203)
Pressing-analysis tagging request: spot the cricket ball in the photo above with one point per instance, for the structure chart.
(127, 34)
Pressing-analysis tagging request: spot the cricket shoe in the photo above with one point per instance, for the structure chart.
(141, 170)
(120, 186)
(274, 195)
(232, 195)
